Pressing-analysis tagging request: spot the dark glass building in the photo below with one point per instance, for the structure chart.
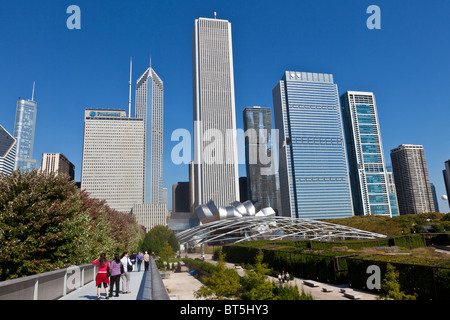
(260, 158)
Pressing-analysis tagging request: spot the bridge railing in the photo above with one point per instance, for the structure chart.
(48, 285)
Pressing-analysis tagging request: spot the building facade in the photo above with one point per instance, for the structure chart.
(149, 106)
(113, 158)
(8, 147)
(313, 172)
(24, 129)
(215, 146)
(367, 167)
(57, 163)
(446, 174)
(260, 157)
(412, 183)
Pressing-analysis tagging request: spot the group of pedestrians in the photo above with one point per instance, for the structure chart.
(282, 277)
(110, 273)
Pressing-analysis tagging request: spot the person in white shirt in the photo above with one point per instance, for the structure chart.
(125, 275)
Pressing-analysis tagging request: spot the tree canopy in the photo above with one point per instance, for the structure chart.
(156, 238)
(47, 223)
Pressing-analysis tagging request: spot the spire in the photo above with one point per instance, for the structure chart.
(32, 93)
(129, 84)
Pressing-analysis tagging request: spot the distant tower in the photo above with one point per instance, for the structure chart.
(446, 173)
(150, 106)
(215, 147)
(259, 142)
(409, 166)
(7, 151)
(24, 129)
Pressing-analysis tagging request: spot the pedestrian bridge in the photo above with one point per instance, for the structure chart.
(78, 283)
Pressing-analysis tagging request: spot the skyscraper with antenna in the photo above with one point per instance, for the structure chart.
(24, 130)
(149, 106)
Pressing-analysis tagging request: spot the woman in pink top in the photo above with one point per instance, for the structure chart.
(102, 275)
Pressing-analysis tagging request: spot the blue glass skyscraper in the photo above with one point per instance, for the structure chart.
(24, 128)
(313, 172)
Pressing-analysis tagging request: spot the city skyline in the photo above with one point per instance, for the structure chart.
(398, 70)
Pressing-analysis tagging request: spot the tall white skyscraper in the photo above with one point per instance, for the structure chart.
(215, 149)
(113, 153)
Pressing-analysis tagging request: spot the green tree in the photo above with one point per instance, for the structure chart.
(46, 223)
(156, 238)
(166, 252)
(391, 287)
(223, 283)
(255, 285)
(42, 226)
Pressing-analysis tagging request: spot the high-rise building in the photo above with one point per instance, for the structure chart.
(411, 179)
(446, 173)
(113, 154)
(259, 157)
(180, 197)
(8, 147)
(367, 168)
(392, 192)
(24, 129)
(57, 163)
(435, 201)
(149, 107)
(313, 173)
(215, 146)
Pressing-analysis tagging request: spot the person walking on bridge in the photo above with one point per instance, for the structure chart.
(146, 260)
(115, 274)
(125, 260)
(102, 274)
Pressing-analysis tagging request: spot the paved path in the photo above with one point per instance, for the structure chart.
(89, 291)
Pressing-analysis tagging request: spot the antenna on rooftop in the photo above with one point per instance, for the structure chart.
(215, 15)
(32, 93)
(129, 94)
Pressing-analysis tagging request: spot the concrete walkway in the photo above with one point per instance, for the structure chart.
(89, 291)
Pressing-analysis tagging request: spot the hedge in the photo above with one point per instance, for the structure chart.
(428, 278)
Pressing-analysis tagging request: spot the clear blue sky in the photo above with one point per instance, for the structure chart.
(406, 63)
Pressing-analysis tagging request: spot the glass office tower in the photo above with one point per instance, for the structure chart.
(25, 126)
(313, 172)
(368, 177)
(150, 106)
(446, 174)
(8, 147)
(215, 145)
(259, 157)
